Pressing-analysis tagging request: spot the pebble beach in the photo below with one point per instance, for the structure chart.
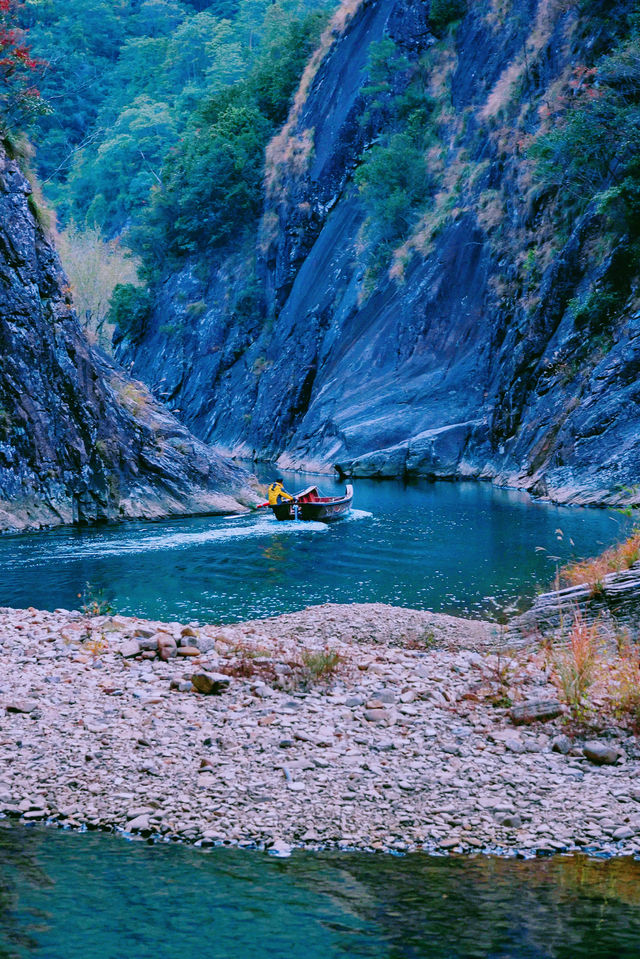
(351, 726)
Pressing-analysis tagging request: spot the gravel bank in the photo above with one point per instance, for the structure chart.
(401, 746)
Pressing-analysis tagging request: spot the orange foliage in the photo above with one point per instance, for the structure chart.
(592, 571)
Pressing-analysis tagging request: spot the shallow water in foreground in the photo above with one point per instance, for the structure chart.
(463, 548)
(70, 896)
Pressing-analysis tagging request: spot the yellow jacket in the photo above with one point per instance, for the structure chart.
(278, 494)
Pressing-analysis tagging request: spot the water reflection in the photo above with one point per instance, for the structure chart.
(66, 896)
(562, 908)
(19, 869)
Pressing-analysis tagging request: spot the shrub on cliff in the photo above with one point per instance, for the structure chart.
(19, 98)
(393, 178)
(393, 182)
(589, 159)
(129, 310)
(444, 12)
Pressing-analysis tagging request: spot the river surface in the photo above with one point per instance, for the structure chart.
(463, 548)
(70, 896)
(460, 548)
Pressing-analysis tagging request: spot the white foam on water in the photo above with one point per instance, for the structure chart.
(359, 514)
(265, 526)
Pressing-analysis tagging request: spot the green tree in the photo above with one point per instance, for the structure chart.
(129, 309)
(393, 182)
(444, 12)
(113, 183)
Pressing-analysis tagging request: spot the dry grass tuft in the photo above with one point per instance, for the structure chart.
(134, 397)
(592, 571)
(269, 231)
(490, 210)
(543, 26)
(625, 687)
(575, 668)
(320, 665)
(597, 675)
(288, 149)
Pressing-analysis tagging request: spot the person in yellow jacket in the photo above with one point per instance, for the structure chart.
(278, 494)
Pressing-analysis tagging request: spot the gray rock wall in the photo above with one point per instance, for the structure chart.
(453, 369)
(79, 442)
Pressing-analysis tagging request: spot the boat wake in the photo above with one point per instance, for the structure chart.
(356, 514)
(98, 547)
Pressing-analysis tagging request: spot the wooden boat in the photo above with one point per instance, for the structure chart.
(310, 505)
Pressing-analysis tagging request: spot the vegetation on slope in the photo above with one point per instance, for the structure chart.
(151, 128)
(210, 186)
(20, 99)
(566, 146)
(131, 85)
(159, 113)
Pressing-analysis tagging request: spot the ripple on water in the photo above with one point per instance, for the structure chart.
(146, 541)
(452, 548)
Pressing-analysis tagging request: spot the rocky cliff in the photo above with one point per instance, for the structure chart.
(79, 442)
(478, 349)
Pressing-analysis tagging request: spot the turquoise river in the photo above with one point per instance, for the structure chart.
(66, 896)
(461, 548)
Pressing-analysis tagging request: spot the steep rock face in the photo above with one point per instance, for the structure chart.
(79, 442)
(447, 365)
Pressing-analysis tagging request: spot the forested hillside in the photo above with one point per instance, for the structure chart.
(128, 92)
(431, 269)
(128, 84)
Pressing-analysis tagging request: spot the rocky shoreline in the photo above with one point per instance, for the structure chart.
(361, 726)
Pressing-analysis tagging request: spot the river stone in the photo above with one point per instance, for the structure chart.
(601, 753)
(385, 696)
(376, 715)
(138, 824)
(130, 648)
(281, 849)
(512, 821)
(206, 643)
(137, 811)
(188, 651)
(167, 647)
(624, 832)
(148, 643)
(536, 710)
(561, 744)
(450, 843)
(212, 684)
(22, 706)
